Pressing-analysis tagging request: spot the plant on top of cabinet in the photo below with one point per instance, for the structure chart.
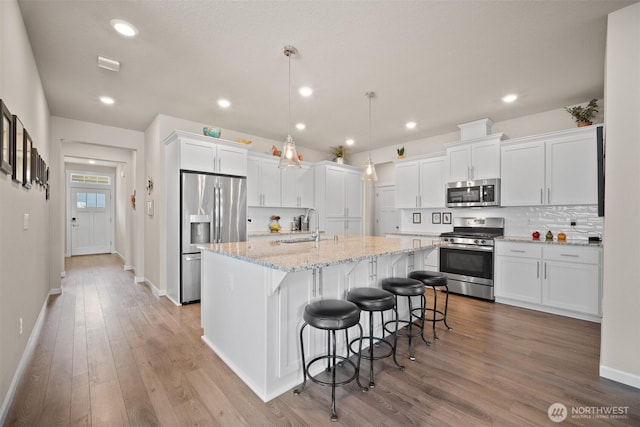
(400, 152)
(583, 115)
(339, 153)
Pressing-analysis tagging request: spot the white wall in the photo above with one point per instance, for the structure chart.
(620, 339)
(24, 254)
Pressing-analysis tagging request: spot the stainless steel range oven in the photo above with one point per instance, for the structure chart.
(467, 259)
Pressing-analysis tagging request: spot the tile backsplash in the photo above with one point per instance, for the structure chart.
(519, 221)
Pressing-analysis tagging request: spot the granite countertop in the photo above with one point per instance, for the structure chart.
(300, 256)
(570, 242)
(280, 233)
(410, 233)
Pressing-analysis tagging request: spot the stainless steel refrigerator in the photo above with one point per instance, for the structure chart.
(214, 210)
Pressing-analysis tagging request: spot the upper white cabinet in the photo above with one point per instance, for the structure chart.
(297, 187)
(421, 183)
(558, 168)
(263, 182)
(212, 156)
(339, 198)
(473, 160)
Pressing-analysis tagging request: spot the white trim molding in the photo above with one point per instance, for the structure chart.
(620, 376)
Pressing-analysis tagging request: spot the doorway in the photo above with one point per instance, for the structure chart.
(89, 213)
(387, 216)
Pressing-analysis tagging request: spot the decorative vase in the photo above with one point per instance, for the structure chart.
(400, 156)
(582, 124)
(340, 160)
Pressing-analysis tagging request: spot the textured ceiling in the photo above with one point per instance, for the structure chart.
(438, 63)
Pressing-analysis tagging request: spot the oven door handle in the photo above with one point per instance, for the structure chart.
(468, 247)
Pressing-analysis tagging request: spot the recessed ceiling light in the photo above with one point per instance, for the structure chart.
(509, 98)
(349, 141)
(124, 28)
(92, 162)
(224, 103)
(306, 91)
(410, 125)
(300, 126)
(107, 100)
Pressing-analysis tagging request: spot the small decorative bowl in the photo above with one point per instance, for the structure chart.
(211, 131)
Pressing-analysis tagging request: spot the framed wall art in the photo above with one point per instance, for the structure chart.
(446, 217)
(417, 218)
(18, 150)
(27, 176)
(6, 131)
(435, 218)
(35, 165)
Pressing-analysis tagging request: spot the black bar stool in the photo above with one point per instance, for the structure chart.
(374, 300)
(435, 281)
(331, 315)
(405, 287)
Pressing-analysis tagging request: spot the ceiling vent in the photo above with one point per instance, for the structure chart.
(108, 64)
(475, 129)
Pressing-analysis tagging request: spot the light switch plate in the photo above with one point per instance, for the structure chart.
(25, 222)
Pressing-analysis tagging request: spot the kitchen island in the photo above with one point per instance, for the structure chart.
(254, 294)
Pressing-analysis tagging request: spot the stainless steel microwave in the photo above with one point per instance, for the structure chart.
(465, 194)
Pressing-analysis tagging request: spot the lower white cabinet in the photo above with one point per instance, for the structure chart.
(560, 279)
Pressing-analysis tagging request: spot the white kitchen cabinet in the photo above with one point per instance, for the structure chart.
(558, 168)
(572, 169)
(206, 156)
(297, 187)
(263, 182)
(421, 183)
(517, 272)
(478, 159)
(572, 279)
(338, 198)
(556, 278)
(523, 182)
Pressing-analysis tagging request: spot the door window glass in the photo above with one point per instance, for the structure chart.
(81, 200)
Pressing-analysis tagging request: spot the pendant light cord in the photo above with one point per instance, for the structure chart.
(370, 95)
(289, 117)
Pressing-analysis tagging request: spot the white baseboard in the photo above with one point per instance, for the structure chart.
(55, 291)
(129, 268)
(154, 289)
(138, 279)
(26, 354)
(172, 300)
(620, 376)
(63, 274)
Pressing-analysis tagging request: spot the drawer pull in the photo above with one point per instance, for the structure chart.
(517, 250)
(571, 255)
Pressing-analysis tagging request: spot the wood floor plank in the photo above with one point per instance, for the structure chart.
(112, 353)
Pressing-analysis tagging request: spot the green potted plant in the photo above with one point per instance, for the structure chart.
(400, 152)
(583, 115)
(339, 153)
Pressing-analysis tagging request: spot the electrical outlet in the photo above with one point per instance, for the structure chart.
(21, 326)
(573, 222)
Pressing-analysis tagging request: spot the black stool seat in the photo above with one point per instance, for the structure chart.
(332, 314)
(403, 286)
(429, 278)
(371, 299)
(434, 280)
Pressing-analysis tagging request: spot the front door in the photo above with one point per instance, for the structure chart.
(90, 221)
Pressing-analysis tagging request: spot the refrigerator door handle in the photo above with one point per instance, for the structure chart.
(216, 213)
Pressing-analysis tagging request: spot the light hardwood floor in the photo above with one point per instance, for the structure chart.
(110, 353)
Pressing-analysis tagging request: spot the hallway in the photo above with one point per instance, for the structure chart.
(110, 353)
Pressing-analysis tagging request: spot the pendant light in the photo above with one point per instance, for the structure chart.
(288, 154)
(369, 172)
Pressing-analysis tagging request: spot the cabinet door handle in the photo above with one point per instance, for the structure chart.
(545, 271)
(219, 164)
(538, 270)
(541, 196)
(517, 251)
(571, 255)
(548, 195)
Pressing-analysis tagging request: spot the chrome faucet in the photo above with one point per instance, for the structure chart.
(316, 233)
